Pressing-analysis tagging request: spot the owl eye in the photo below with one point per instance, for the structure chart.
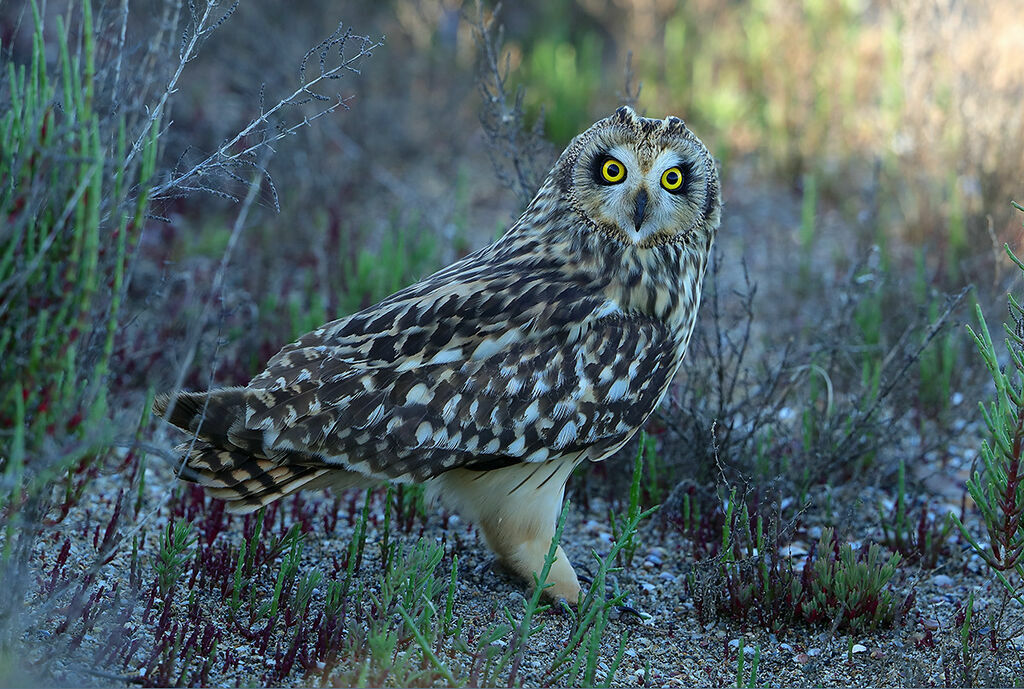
(672, 179)
(612, 171)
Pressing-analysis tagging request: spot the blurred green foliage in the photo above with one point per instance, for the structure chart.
(831, 88)
(73, 199)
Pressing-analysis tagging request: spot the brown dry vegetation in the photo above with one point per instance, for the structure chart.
(869, 153)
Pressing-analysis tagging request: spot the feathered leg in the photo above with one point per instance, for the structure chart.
(516, 508)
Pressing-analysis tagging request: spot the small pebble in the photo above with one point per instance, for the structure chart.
(858, 648)
(801, 658)
(930, 624)
(813, 651)
(942, 580)
(877, 653)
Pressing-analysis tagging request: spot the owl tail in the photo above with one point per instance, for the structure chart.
(245, 482)
(228, 459)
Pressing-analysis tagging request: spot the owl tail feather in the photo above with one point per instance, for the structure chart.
(216, 416)
(230, 461)
(246, 483)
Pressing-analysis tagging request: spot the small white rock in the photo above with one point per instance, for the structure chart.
(858, 648)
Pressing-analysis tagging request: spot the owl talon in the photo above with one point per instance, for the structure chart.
(610, 595)
(630, 610)
(560, 606)
(485, 566)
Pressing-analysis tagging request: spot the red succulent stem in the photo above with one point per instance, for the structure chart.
(1011, 510)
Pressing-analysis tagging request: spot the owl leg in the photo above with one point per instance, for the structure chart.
(523, 552)
(516, 509)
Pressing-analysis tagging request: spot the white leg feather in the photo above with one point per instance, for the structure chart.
(516, 508)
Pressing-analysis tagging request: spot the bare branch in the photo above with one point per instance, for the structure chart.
(631, 91)
(520, 154)
(223, 159)
(190, 44)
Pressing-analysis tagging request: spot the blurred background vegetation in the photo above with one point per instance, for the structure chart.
(861, 112)
(869, 153)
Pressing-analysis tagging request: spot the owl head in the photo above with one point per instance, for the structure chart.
(640, 181)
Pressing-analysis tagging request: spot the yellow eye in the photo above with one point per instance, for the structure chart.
(612, 171)
(672, 179)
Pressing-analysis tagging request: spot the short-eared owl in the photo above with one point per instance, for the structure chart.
(490, 380)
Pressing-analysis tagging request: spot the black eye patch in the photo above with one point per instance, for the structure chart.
(607, 170)
(689, 170)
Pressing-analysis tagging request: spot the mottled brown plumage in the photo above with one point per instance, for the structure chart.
(493, 378)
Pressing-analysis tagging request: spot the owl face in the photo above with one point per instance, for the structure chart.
(642, 182)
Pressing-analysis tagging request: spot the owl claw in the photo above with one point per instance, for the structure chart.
(624, 609)
(560, 606)
(621, 608)
(484, 566)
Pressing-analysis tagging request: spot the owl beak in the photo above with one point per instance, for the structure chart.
(639, 209)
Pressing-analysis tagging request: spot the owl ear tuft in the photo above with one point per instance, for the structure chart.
(625, 114)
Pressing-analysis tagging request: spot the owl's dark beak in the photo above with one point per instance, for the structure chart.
(639, 209)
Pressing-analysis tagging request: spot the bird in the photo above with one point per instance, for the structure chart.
(491, 380)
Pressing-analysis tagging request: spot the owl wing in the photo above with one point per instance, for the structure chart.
(466, 375)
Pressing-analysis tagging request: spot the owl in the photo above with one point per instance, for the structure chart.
(492, 379)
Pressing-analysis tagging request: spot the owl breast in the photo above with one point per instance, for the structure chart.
(662, 282)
